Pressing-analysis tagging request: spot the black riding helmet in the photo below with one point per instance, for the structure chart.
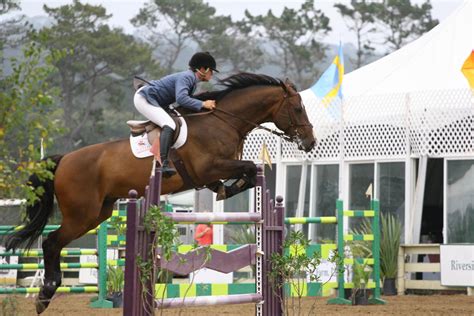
(203, 59)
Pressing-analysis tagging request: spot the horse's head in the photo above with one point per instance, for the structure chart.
(291, 117)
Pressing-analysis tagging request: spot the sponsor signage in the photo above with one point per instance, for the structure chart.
(457, 265)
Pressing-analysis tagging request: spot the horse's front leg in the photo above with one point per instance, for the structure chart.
(244, 171)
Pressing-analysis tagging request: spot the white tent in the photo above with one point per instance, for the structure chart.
(432, 62)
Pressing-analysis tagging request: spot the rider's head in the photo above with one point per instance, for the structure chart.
(203, 64)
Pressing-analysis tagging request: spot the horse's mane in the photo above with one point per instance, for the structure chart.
(239, 81)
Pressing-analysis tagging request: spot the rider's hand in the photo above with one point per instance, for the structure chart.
(209, 104)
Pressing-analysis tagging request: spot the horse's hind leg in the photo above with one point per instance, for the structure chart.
(72, 227)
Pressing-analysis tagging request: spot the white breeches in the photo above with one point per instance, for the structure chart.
(156, 114)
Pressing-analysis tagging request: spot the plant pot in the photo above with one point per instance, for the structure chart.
(389, 287)
(347, 293)
(116, 298)
(360, 297)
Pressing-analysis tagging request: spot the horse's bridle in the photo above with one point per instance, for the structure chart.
(291, 120)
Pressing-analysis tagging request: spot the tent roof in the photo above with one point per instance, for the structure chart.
(432, 62)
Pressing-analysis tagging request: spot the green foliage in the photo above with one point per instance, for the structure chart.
(295, 36)
(294, 268)
(165, 237)
(361, 275)
(391, 230)
(90, 76)
(359, 18)
(27, 120)
(180, 21)
(390, 234)
(115, 279)
(402, 22)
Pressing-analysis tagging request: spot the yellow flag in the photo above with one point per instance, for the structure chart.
(369, 191)
(265, 156)
(468, 69)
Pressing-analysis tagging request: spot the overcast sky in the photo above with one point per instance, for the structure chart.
(124, 10)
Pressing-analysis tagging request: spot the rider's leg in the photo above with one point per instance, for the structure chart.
(166, 138)
(159, 116)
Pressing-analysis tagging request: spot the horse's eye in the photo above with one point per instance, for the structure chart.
(298, 109)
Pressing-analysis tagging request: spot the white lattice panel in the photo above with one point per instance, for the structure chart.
(441, 122)
(375, 127)
(434, 123)
(253, 145)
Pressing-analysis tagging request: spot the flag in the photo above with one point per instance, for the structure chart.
(328, 88)
(265, 156)
(369, 191)
(468, 69)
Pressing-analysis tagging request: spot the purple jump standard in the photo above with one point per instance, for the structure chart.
(269, 222)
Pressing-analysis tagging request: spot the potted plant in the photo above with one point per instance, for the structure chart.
(115, 283)
(390, 228)
(390, 233)
(115, 273)
(360, 279)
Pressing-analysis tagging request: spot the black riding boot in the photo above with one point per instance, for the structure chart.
(166, 138)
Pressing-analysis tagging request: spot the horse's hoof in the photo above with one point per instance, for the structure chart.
(221, 194)
(41, 305)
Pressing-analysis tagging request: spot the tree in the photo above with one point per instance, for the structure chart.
(12, 30)
(401, 21)
(170, 26)
(99, 61)
(233, 46)
(359, 18)
(295, 37)
(27, 121)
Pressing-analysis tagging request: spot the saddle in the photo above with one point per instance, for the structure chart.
(152, 130)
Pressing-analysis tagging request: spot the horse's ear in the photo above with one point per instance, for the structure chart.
(284, 86)
(290, 84)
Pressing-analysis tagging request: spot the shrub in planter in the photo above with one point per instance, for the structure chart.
(360, 278)
(115, 282)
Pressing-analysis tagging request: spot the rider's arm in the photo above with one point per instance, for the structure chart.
(184, 85)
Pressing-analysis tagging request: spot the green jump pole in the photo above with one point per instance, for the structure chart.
(101, 301)
(375, 205)
(340, 299)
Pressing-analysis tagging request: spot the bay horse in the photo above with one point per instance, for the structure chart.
(88, 181)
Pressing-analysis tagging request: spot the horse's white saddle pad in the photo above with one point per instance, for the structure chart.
(141, 146)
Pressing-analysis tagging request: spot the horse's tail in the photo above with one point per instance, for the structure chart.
(38, 213)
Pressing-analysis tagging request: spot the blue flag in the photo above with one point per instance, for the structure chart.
(329, 85)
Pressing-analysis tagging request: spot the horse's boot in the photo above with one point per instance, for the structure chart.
(46, 294)
(166, 138)
(219, 188)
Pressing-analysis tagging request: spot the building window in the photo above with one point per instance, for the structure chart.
(293, 181)
(460, 201)
(326, 194)
(391, 190)
(361, 179)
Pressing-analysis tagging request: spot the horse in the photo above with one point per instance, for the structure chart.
(88, 181)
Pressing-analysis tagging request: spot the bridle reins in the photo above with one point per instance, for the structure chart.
(282, 135)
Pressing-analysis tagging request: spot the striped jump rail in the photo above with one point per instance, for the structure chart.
(39, 253)
(374, 213)
(62, 289)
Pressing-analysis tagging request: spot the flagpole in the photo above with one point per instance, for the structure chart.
(341, 153)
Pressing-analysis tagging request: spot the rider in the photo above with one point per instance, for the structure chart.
(154, 100)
